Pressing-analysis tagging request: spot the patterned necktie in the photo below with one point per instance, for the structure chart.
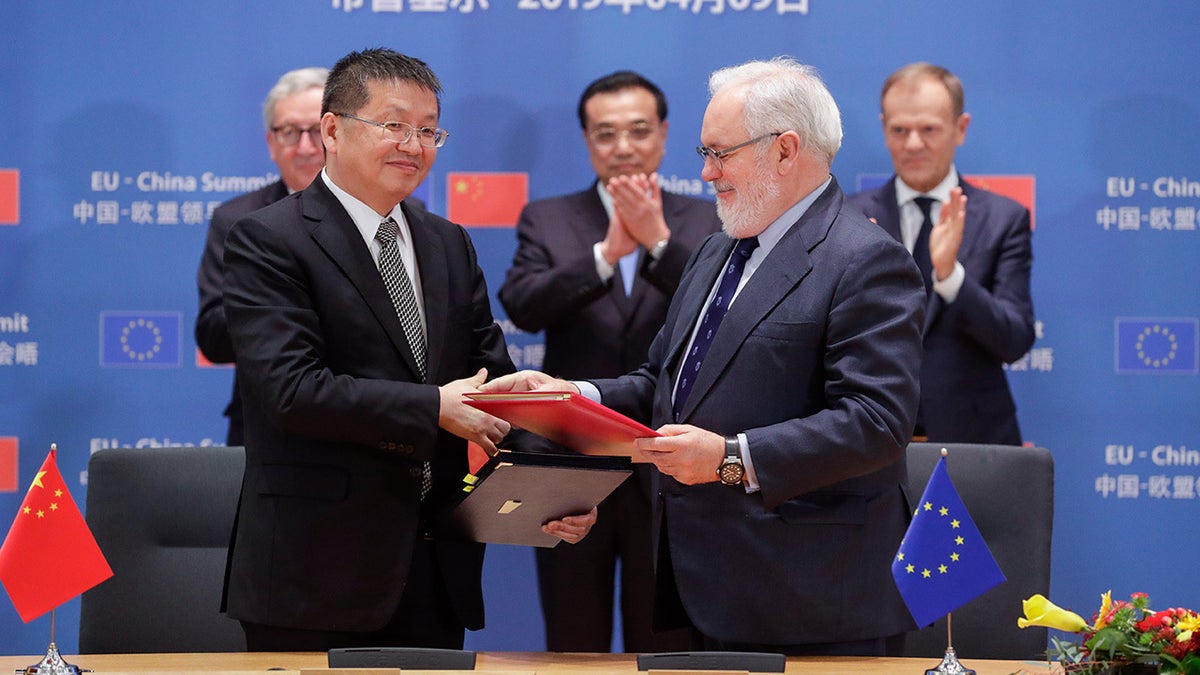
(404, 299)
(712, 320)
(400, 288)
(921, 247)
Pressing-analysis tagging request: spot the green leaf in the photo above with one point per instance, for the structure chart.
(1108, 641)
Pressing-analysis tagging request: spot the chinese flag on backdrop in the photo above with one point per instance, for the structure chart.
(1017, 188)
(486, 199)
(49, 555)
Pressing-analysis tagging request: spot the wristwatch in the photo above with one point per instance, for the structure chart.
(731, 471)
(657, 250)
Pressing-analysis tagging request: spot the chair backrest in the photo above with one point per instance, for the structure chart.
(1009, 492)
(163, 517)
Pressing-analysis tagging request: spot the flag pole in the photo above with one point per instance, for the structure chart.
(950, 664)
(52, 663)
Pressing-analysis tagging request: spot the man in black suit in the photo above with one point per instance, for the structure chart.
(292, 115)
(976, 259)
(359, 322)
(784, 384)
(596, 269)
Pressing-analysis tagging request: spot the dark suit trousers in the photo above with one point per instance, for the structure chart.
(424, 618)
(576, 582)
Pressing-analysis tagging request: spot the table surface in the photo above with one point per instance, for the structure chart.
(508, 663)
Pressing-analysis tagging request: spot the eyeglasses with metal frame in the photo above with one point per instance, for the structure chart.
(611, 136)
(288, 134)
(402, 132)
(707, 153)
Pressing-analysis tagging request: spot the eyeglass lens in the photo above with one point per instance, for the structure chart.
(290, 135)
(610, 136)
(402, 132)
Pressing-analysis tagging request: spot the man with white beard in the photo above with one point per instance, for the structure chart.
(784, 384)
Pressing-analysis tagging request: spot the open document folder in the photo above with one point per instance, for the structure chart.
(568, 419)
(511, 496)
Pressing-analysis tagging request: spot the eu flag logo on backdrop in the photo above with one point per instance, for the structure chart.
(1157, 345)
(141, 339)
(943, 562)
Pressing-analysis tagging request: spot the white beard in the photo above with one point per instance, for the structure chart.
(742, 217)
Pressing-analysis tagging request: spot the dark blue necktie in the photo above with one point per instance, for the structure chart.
(712, 319)
(921, 247)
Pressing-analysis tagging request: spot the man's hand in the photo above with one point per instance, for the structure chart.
(527, 380)
(688, 454)
(617, 242)
(572, 529)
(946, 236)
(637, 200)
(462, 420)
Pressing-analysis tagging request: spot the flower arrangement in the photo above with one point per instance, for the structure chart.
(1122, 633)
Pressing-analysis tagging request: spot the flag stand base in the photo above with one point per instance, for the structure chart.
(52, 664)
(950, 665)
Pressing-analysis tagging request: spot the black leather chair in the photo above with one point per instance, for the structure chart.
(163, 517)
(1009, 492)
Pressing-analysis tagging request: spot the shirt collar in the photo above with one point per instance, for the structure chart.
(365, 218)
(605, 199)
(776, 230)
(940, 192)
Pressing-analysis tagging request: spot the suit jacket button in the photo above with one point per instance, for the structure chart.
(415, 472)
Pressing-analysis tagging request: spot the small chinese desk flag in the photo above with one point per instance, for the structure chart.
(943, 561)
(49, 555)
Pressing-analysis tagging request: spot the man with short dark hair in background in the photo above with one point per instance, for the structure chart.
(974, 249)
(596, 270)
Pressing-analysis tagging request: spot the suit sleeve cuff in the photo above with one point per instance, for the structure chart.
(603, 269)
(949, 287)
(751, 477)
(587, 390)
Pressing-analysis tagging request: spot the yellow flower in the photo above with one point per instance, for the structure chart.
(1041, 612)
(1187, 625)
(1105, 607)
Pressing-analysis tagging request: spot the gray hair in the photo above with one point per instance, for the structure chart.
(783, 94)
(292, 82)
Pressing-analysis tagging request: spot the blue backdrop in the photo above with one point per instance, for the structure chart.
(128, 122)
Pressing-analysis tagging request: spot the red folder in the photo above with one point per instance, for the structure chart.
(568, 419)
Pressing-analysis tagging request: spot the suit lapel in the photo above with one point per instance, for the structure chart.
(973, 224)
(778, 276)
(888, 211)
(435, 289)
(709, 263)
(890, 220)
(333, 230)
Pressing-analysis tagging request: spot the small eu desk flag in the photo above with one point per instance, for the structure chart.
(49, 555)
(943, 561)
